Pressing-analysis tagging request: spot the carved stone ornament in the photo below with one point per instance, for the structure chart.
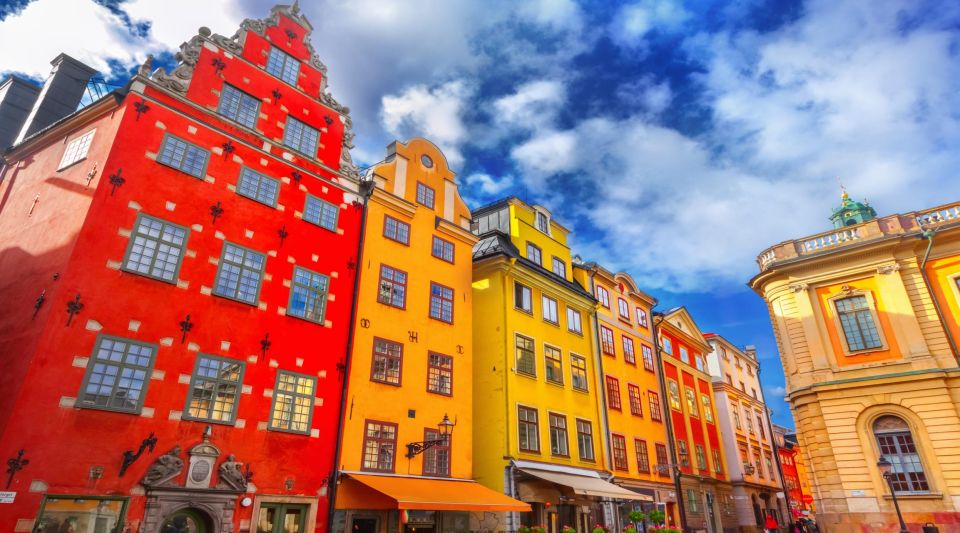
(799, 287)
(886, 270)
(164, 469)
(846, 289)
(231, 475)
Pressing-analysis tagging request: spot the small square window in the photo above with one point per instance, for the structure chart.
(283, 66)
(534, 254)
(308, 295)
(442, 249)
(156, 248)
(441, 302)
(393, 287)
(387, 362)
(321, 213)
(259, 187)
(396, 230)
(215, 389)
(183, 156)
(300, 137)
(76, 150)
(559, 267)
(522, 297)
(117, 375)
(239, 106)
(553, 364)
(240, 274)
(425, 195)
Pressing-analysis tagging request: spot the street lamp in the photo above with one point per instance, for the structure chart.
(886, 469)
(445, 428)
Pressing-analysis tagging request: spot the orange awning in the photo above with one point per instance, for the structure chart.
(370, 491)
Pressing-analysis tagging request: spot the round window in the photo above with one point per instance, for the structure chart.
(427, 162)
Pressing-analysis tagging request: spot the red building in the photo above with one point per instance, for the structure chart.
(704, 492)
(177, 261)
(791, 464)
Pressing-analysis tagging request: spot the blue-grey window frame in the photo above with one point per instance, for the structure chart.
(256, 113)
(326, 294)
(92, 361)
(133, 234)
(216, 281)
(319, 222)
(206, 160)
(262, 176)
(193, 379)
(273, 403)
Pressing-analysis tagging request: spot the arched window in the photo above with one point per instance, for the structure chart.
(896, 445)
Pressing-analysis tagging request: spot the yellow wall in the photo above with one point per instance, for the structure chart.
(395, 195)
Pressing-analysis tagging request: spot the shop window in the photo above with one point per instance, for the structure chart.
(76, 514)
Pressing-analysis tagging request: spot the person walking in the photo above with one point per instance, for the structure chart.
(771, 526)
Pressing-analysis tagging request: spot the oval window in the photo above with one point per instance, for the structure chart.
(427, 162)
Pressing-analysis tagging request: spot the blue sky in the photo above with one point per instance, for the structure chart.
(677, 139)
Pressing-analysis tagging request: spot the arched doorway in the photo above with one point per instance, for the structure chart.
(187, 520)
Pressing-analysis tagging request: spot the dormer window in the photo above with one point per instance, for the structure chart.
(283, 65)
(543, 222)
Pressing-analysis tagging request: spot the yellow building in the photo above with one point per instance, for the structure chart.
(866, 317)
(407, 442)
(630, 375)
(537, 394)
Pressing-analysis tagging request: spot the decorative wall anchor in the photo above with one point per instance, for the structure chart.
(265, 345)
(39, 303)
(215, 211)
(277, 95)
(412, 335)
(283, 233)
(73, 307)
(228, 148)
(296, 176)
(95, 472)
(140, 107)
(364, 323)
(33, 206)
(185, 327)
(341, 368)
(357, 204)
(460, 349)
(218, 65)
(291, 35)
(15, 465)
(92, 174)
(129, 457)
(328, 120)
(56, 276)
(351, 264)
(116, 180)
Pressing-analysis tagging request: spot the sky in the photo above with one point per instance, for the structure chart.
(676, 139)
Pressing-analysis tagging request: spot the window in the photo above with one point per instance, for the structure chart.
(604, 296)
(393, 287)
(76, 150)
(692, 503)
(553, 364)
(578, 372)
(643, 455)
(558, 435)
(283, 66)
(387, 362)
(673, 394)
(736, 416)
(684, 452)
(441, 303)
(701, 457)
(529, 433)
(239, 106)
(642, 317)
(585, 439)
(183, 156)
(647, 357)
(763, 433)
(698, 362)
(619, 452)
(768, 461)
(684, 355)
(707, 410)
(749, 421)
(117, 375)
(729, 380)
(623, 308)
(543, 223)
(667, 345)
(858, 324)
(636, 405)
(896, 444)
(300, 137)
(156, 248)
(215, 389)
(628, 354)
(573, 321)
(743, 387)
(87, 514)
(379, 446)
(256, 186)
(396, 230)
(522, 297)
(440, 374)
(240, 273)
(425, 195)
(321, 213)
(758, 464)
(436, 459)
(308, 295)
(662, 461)
(526, 356)
(749, 370)
(442, 249)
(559, 267)
(534, 254)
(549, 309)
(498, 220)
(754, 394)
(654, 400)
(606, 341)
(717, 463)
(293, 402)
(613, 392)
(691, 398)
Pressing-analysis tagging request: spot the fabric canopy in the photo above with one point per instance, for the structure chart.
(418, 493)
(587, 485)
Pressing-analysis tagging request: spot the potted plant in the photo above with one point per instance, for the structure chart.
(599, 528)
(538, 529)
(523, 529)
(656, 517)
(568, 529)
(638, 518)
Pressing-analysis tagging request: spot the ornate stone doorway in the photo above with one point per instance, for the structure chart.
(187, 521)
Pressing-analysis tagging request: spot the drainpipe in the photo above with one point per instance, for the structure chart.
(366, 190)
(928, 234)
(776, 450)
(677, 482)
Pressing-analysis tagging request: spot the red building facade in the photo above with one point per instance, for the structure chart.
(704, 491)
(179, 265)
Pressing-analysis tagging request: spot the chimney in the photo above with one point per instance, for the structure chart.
(17, 96)
(751, 351)
(60, 95)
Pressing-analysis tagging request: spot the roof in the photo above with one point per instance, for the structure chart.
(495, 243)
(117, 95)
(493, 206)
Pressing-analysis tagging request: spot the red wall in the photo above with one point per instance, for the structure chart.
(89, 229)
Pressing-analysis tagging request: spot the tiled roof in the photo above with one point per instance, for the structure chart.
(497, 243)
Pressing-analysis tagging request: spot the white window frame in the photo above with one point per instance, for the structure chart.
(77, 149)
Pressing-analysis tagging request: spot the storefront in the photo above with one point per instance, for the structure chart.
(385, 503)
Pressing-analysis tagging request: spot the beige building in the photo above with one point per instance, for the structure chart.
(747, 435)
(866, 319)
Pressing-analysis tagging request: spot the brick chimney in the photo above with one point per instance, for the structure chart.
(60, 95)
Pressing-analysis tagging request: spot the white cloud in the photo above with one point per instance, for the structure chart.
(634, 21)
(651, 96)
(489, 185)
(776, 392)
(534, 105)
(558, 14)
(434, 113)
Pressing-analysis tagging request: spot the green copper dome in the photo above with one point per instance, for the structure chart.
(851, 212)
